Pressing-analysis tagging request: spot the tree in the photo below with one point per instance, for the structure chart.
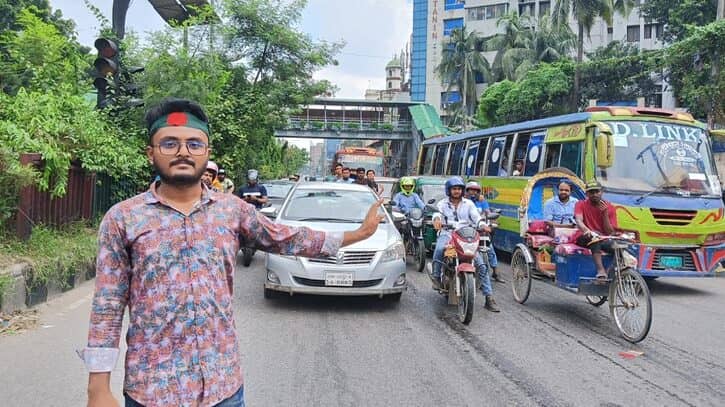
(585, 12)
(619, 72)
(676, 15)
(523, 44)
(542, 93)
(461, 62)
(10, 10)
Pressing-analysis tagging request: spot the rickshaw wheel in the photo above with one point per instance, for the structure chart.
(596, 300)
(521, 276)
(630, 304)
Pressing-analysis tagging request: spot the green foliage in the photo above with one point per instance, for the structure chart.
(10, 9)
(543, 92)
(63, 128)
(39, 57)
(677, 15)
(14, 177)
(54, 254)
(696, 70)
(619, 72)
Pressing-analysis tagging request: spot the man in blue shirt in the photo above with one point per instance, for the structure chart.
(559, 210)
(253, 193)
(406, 199)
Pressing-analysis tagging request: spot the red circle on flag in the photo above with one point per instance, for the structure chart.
(177, 119)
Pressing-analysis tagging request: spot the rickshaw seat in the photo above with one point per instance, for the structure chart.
(538, 227)
(537, 241)
(570, 249)
(564, 235)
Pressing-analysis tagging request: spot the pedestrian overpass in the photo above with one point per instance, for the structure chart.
(404, 124)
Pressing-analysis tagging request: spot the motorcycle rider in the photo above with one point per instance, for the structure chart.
(407, 199)
(456, 211)
(473, 192)
(255, 194)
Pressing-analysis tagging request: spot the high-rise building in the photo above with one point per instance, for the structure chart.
(434, 20)
(317, 159)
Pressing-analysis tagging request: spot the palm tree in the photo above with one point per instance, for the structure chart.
(585, 12)
(461, 61)
(523, 44)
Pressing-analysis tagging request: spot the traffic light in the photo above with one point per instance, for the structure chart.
(107, 69)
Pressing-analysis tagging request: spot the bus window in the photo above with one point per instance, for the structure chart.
(469, 163)
(440, 159)
(522, 144)
(496, 157)
(478, 170)
(533, 154)
(571, 157)
(553, 151)
(454, 164)
(426, 166)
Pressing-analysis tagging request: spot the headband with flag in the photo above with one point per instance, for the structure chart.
(179, 119)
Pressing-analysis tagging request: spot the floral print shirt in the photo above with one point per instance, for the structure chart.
(175, 273)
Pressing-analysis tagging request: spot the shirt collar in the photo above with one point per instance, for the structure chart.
(152, 197)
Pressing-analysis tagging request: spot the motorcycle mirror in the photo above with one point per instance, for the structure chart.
(269, 211)
(493, 216)
(398, 217)
(432, 201)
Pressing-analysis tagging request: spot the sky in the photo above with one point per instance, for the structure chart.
(372, 30)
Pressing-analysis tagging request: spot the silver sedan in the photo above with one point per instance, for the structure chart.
(375, 266)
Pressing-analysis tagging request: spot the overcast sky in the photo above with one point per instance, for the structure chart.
(373, 31)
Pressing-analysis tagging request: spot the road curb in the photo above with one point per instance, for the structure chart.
(18, 296)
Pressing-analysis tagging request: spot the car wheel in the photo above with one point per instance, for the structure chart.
(394, 297)
(269, 294)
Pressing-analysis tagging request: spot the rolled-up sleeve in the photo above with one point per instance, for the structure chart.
(293, 241)
(113, 272)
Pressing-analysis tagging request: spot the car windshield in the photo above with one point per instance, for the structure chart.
(432, 191)
(655, 157)
(278, 190)
(329, 205)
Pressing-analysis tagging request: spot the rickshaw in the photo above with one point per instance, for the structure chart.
(549, 254)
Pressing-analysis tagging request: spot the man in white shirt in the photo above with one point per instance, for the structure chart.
(456, 211)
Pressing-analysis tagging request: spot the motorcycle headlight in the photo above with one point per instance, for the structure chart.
(396, 251)
(416, 222)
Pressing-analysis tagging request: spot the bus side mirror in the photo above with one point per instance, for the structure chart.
(604, 145)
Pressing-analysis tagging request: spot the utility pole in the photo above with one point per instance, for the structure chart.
(720, 9)
(118, 18)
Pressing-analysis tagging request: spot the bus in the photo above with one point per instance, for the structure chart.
(656, 168)
(356, 157)
(718, 150)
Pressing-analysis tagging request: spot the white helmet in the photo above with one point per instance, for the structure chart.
(252, 175)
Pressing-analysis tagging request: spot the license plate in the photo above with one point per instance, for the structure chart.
(674, 262)
(338, 279)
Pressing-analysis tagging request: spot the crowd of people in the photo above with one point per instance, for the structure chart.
(362, 177)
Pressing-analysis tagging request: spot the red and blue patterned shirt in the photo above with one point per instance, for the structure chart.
(175, 273)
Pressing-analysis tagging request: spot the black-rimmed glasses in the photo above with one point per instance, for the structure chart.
(172, 147)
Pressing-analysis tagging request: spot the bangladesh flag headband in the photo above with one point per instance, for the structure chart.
(179, 119)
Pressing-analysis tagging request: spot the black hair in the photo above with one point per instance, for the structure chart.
(371, 170)
(173, 105)
(563, 182)
(346, 168)
(338, 165)
(360, 169)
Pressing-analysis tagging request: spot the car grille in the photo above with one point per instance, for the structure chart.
(688, 264)
(321, 283)
(348, 258)
(669, 217)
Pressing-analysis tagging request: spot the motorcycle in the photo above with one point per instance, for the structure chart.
(246, 248)
(411, 228)
(459, 276)
(485, 243)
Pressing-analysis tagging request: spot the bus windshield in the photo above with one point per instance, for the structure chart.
(369, 162)
(655, 157)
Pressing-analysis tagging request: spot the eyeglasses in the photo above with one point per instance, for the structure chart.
(172, 147)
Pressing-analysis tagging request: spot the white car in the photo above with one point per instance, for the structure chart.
(375, 266)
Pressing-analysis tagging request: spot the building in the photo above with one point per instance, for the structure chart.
(396, 86)
(434, 20)
(317, 159)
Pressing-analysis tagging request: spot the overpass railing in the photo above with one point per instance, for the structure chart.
(350, 125)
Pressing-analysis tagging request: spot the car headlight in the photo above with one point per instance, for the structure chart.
(395, 252)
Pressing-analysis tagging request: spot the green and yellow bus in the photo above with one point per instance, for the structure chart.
(656, 167)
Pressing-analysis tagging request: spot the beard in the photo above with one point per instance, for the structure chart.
(181, 180)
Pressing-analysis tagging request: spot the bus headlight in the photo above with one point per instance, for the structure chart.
(715, 238)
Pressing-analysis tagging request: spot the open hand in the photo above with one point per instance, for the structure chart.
(372, 220)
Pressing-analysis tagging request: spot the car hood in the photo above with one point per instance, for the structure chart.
(385, 236)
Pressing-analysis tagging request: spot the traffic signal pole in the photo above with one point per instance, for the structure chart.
(118, 18)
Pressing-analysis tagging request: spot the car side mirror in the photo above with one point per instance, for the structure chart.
(604, 144)
(270, 212)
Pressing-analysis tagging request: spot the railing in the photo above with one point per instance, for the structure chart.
(354, 125)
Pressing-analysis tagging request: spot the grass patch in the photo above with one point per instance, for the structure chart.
(56, 255)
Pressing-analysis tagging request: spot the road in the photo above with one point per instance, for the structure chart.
(312, 351)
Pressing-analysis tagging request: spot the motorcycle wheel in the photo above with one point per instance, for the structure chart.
(420, 253)
(465, 303)
(247, 255)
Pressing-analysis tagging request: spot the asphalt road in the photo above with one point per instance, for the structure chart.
(336, 351)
